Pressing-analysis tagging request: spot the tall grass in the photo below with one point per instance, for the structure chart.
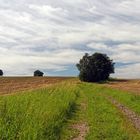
(36, 115)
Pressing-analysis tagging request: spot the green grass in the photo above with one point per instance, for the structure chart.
(37, 115)
(78, 116)
(129, 99)
(105, 121)
(48, 114)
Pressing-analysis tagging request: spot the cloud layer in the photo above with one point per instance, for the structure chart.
(52, 35)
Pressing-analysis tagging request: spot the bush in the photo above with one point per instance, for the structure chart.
(38, 73)
(1, 73)
(95, 68)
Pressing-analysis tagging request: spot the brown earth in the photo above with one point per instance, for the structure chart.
(126, 85)
(14, 84)
(82, 128)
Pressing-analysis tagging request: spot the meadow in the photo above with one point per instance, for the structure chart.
(67, 109)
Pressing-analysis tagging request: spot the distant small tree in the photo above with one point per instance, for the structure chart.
(95, 68)
(1, 73)
(38, 73)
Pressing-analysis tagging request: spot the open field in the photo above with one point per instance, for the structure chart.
(126, 85)
(14, 84)
(69, 110)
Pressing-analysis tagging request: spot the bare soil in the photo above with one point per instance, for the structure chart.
(9, 85)
(82, 128)
(126, 85)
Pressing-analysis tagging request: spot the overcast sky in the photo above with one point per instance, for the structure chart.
(52, 35)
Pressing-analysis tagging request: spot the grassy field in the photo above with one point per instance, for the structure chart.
(69, 110)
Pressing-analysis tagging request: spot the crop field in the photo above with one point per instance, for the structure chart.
(126, 85)
(14, 84)
(68, 109)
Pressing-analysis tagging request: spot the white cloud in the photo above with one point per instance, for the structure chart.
(130, 71)
(98, 46)
(52, 34)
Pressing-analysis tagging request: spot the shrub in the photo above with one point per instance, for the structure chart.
(38, 73)
(1, 73)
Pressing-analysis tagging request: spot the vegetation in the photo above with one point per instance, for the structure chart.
(1, 73)
(38, 73)
(105, 121)
(49, 113)
(129, 99)
(36, 115)
(95, 68)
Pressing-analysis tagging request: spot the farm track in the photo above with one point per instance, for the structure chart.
(81, 126)
(10, 85)
(132, 116)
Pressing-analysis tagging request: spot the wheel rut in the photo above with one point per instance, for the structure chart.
(132, 116)
(81, 126)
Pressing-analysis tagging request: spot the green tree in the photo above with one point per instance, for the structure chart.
(95, 68)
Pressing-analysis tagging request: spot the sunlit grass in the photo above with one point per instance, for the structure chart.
(36, 115)
(105, 121)
(128, 99)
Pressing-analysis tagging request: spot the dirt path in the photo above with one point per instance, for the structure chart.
(81, 127)
(132, 116)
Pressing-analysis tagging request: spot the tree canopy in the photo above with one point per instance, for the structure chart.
(96, 67)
